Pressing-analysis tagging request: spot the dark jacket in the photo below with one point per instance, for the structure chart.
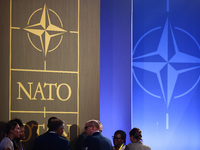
(97, 142)
(51, 141)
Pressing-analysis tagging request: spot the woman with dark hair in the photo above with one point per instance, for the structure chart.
(119, 140)
(16, 142)
(12, 131)
(136, 139)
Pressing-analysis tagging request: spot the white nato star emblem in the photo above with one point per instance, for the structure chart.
(166, 67)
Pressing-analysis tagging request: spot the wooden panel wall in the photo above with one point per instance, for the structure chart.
(50, 63)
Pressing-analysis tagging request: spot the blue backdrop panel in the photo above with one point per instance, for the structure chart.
(166, 72)
(115, 66)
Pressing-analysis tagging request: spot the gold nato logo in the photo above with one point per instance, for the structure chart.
(41, 31)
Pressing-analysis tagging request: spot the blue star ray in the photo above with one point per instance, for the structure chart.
(143, 87)
(141, 40)
(172, 78)
(163, 44)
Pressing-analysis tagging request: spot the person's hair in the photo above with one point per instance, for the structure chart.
(94, 123)
(19, 122)
(100, 126)
(10, 125)
(123, 135)
(136, 133)
(50, 119)
(55, 124)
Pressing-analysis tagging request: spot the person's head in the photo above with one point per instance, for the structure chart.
(135, 135)
(57, 125)
(119, 138)
(91, 126)
(49, 120)
(12, 129)
(22, 129)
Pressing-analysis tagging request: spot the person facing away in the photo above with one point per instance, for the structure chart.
(136, 141)
(119, 140)
(12, 131)
(83, 136)
(53, 139)
(16, 142)
(95, 140)
(49, 121)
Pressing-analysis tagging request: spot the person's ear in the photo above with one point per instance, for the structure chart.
(122, 140)
(131, 137)
(92, 127)
(59, 130)
(11, 130)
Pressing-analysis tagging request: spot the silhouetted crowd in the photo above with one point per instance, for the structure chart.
(90, 139)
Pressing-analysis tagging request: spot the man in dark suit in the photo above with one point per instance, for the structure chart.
(53, 139)
(49, 121)
(95, 140)
(83, 136)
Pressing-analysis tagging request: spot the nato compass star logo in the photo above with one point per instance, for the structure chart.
(44, 29)
(166, 63)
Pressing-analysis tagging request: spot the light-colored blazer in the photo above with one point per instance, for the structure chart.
(137, 146)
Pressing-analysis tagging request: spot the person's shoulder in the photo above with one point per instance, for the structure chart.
(95, 135)
(45, 133)
(98, 135)
(94, 138)
(63, 139)
(129, 145)
(63, 142)
(41, 136)
(138, 144)
(107, 139)
(147, 147)
(6, 140)
(6, 143)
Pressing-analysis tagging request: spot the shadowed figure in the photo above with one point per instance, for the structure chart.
(30, 135)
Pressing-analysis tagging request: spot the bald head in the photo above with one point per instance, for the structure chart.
(94, 123)
(91, 126)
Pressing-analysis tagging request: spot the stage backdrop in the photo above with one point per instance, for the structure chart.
(166, 71)
(50, 59)
(115, 83)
